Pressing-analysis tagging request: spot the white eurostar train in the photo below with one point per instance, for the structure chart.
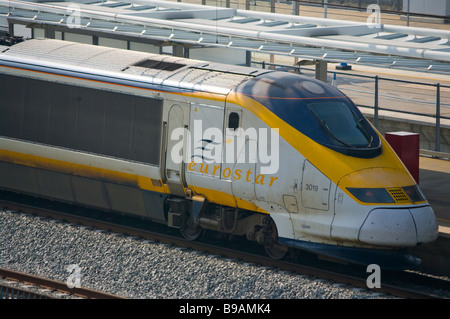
(283, 159)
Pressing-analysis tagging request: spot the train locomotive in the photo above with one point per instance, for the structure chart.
(283, 159)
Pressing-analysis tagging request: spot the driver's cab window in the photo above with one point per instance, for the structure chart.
(233, 121)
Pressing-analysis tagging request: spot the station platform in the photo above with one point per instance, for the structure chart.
(434, 180)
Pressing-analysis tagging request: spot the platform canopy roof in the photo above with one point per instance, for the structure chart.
(168, 23)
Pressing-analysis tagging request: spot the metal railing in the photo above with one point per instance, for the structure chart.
(367, 94)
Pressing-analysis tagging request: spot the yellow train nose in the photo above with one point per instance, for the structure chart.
(382, 185)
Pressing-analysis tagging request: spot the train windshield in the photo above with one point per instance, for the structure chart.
(341, 124)
(317, 110)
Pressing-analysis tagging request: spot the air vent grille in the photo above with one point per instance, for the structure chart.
(159, 65)
(398, 194)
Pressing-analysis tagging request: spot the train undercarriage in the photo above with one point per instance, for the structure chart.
(194, 216)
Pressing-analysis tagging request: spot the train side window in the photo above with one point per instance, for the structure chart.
(233, 121)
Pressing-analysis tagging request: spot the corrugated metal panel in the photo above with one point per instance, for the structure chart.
(187, 24)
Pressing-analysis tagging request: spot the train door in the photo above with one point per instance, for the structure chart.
(315, 192)
(316, 209)
(175, 137)
(240, 153)
(206, 139)
(204, 167)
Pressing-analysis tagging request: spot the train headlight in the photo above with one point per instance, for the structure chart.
(388, 195)
(371, 195)
(414, 193)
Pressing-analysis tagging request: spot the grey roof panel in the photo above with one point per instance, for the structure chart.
(191, 74)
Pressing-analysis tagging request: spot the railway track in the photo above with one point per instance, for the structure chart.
(43, 287)
(359, 282)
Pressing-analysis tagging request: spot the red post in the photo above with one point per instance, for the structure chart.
(406, 145)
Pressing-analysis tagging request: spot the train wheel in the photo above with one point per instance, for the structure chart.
(276, 251)
(271, 246)
(191, 230)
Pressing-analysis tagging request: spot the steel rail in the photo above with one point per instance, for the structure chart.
(221, 251)
(11, 292)
(56, 285)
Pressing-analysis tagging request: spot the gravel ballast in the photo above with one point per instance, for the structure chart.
(136, 268)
